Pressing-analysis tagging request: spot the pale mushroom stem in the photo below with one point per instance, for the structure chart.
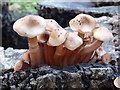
(36, 54)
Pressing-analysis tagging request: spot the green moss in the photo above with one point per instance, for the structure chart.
(20, 8)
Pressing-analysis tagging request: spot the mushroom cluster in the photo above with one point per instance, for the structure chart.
(51, 44)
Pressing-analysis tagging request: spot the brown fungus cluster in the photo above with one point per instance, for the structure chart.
(51, 44)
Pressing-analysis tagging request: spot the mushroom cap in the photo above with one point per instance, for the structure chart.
(30, 26)
(73, 41)
(43, 37)
(18, 65)
(117, 82)
(57, 37)
(51, 24)
(83, 23)
(102, 34)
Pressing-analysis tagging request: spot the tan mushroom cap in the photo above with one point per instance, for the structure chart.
(117, 82)
(73, 41)
(83, 23)
(102, 34)
(51, 24)
(57, 37)
(30, 26)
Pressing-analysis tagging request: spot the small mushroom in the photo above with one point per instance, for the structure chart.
(102, 34)
(83, 23)
(31, 26)
(72, 43)
(23, 63)
(18, 65)
(57, 37)
(51, 25)
(117, 82)
(106, 58)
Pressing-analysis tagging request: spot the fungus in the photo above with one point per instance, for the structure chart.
(51, 25)
(72, 43)
(117, 82)
(102, 34)
(23, 63)
(57, 38)
(106, 58)
(85, 25)
(43, 38)
(106, 36)
(60, 47)
(31, 26)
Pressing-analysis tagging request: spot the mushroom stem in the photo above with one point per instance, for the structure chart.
(36, 54)
(91, 48)
(68, 58)
(49, 53)
(58, 56)
(23, 63)
(77, 51)
(88, 50)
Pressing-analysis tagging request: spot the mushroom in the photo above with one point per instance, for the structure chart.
(23, 63)
(100, 34)
(106, 58)
(57, 38)
(117, 82)
(72, 44)
(31, 26)
(51, 25)
(83, 23)
(73, 41)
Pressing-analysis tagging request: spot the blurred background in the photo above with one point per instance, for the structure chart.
(62, 12)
